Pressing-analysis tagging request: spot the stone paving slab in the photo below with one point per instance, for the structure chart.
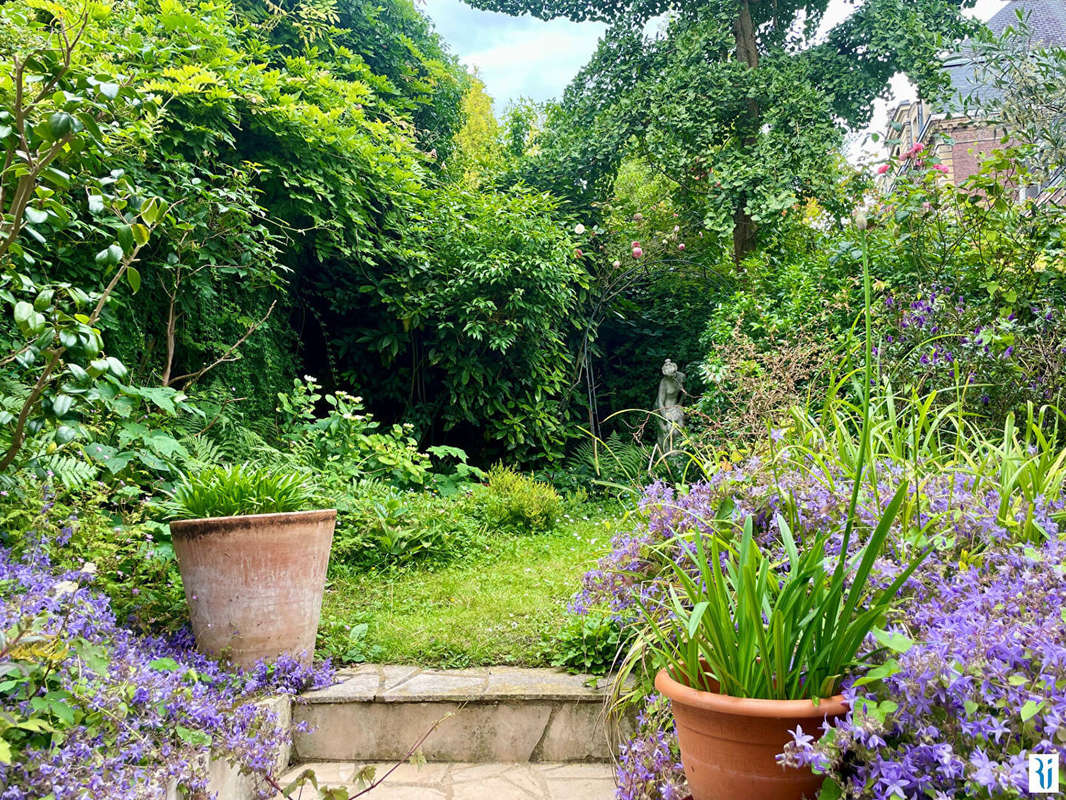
(388, 683)
(500, 781)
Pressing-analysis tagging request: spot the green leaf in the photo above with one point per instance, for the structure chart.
(133, 277)
(116, 367)
(118, 463)
(193, 737)
(56, 177)
(109, 256)
(151, 210)
(886, 670)
(23, 312)
(61, 404)
(896, 642)
(65, 434)
(164, 665)
(125, 238)
(830, 790)
(36, 216)
(60, 124)
(1031, 709)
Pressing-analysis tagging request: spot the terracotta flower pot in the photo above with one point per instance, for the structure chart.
(254, 583)
(729, 744)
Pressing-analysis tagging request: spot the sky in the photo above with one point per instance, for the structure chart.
(527, 57)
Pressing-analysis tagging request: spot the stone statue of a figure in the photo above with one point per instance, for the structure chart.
(670, 415)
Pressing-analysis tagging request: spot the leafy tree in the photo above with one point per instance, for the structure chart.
(485, 313)
(1029, 100)
(741, 102)
(303, 217)
(61, 194)
(479, 149)
(387, 44)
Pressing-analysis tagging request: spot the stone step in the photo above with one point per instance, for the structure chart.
(516, 781)
(486, 715)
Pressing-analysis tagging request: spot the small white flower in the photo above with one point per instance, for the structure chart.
(64, 587)
(579, 229)
(89, 568)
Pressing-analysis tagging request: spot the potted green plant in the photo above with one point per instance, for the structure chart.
(755, 649)
(252, 555)
(752, 653)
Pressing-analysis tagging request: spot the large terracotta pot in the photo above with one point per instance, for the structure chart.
(254, 583)
(729, 744)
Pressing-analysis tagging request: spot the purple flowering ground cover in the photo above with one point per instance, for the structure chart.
(88, 709)
(982, 679)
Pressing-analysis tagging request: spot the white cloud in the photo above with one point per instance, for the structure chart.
(528, 57)
(516, 56)
(533, 63)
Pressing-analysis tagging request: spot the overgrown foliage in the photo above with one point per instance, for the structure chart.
(739, 103)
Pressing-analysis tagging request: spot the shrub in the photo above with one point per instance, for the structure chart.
(966, 680)
(91, 710)
(767, 342)
(347, 443)
(378, 525)
(515, 503)
(134, 562)
(486, 314)
(973, 280)
(238, 490)
(588, 644)
(936, 339)
(982, 685)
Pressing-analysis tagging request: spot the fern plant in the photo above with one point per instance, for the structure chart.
(614, 461)
(70, 471)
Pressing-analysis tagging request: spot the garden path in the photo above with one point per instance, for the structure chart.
(536, 781)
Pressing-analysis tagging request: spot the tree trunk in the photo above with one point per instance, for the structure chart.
(743, 232)
(744, 33)
(747, 53)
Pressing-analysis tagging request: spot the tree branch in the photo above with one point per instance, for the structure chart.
(192, 377)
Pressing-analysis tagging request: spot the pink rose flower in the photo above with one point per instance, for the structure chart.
(881, 170)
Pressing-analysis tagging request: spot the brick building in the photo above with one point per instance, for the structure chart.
(957, 140)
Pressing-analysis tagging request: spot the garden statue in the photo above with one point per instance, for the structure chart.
(671, 417)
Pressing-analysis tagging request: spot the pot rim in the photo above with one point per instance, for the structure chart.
(192, 526)
(748, 706)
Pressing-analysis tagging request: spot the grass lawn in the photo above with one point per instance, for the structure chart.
(500, 606)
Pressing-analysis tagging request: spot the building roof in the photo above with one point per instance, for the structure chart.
(1045, 18)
